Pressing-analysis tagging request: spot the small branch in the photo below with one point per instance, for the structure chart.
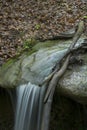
(82, 46)
(55, 79)
(78, 34)
(56, 74)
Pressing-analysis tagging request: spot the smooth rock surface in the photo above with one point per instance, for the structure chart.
(74, 82)
(37, 66)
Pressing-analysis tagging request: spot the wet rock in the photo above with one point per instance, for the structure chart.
(38, 64)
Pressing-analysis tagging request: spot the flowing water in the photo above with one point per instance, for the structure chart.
(30, 108)
(31, 112)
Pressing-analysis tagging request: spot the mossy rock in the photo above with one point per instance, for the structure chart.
(36, 65)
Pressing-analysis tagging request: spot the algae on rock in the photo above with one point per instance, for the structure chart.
(36, 66)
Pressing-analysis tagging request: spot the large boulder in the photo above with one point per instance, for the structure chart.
(74, 81)
(35, 66)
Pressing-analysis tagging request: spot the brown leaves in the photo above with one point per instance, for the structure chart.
(19, 20)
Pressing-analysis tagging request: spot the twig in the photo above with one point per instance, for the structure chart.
(52, 81)
(54, 78)
(49, 77)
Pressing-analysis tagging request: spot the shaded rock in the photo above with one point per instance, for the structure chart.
(37, 65)
(74, 82)
(67, 114)
(34, 67)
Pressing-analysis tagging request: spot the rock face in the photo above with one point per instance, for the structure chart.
(36, 66)
(74, 82)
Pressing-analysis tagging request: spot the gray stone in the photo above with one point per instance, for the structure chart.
(36, 66)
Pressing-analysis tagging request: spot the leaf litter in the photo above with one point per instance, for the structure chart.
(39, 19)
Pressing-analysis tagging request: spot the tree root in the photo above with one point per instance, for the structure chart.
(54, 77)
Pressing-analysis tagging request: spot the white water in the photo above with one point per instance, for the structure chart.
(27, 107)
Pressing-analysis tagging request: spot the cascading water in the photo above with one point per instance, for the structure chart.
(30, 108)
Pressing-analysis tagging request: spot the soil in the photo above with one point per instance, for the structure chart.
(22, 20)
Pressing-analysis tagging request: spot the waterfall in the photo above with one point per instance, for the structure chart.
(30, 108)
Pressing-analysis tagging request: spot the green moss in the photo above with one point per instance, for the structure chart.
(8, 64)
(46, 44)
(29, 43)
(30, 46)
(11, 61)
(85, 17)
(37, 26)
(49, 43)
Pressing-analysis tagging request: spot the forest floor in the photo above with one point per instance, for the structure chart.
(26, 19)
